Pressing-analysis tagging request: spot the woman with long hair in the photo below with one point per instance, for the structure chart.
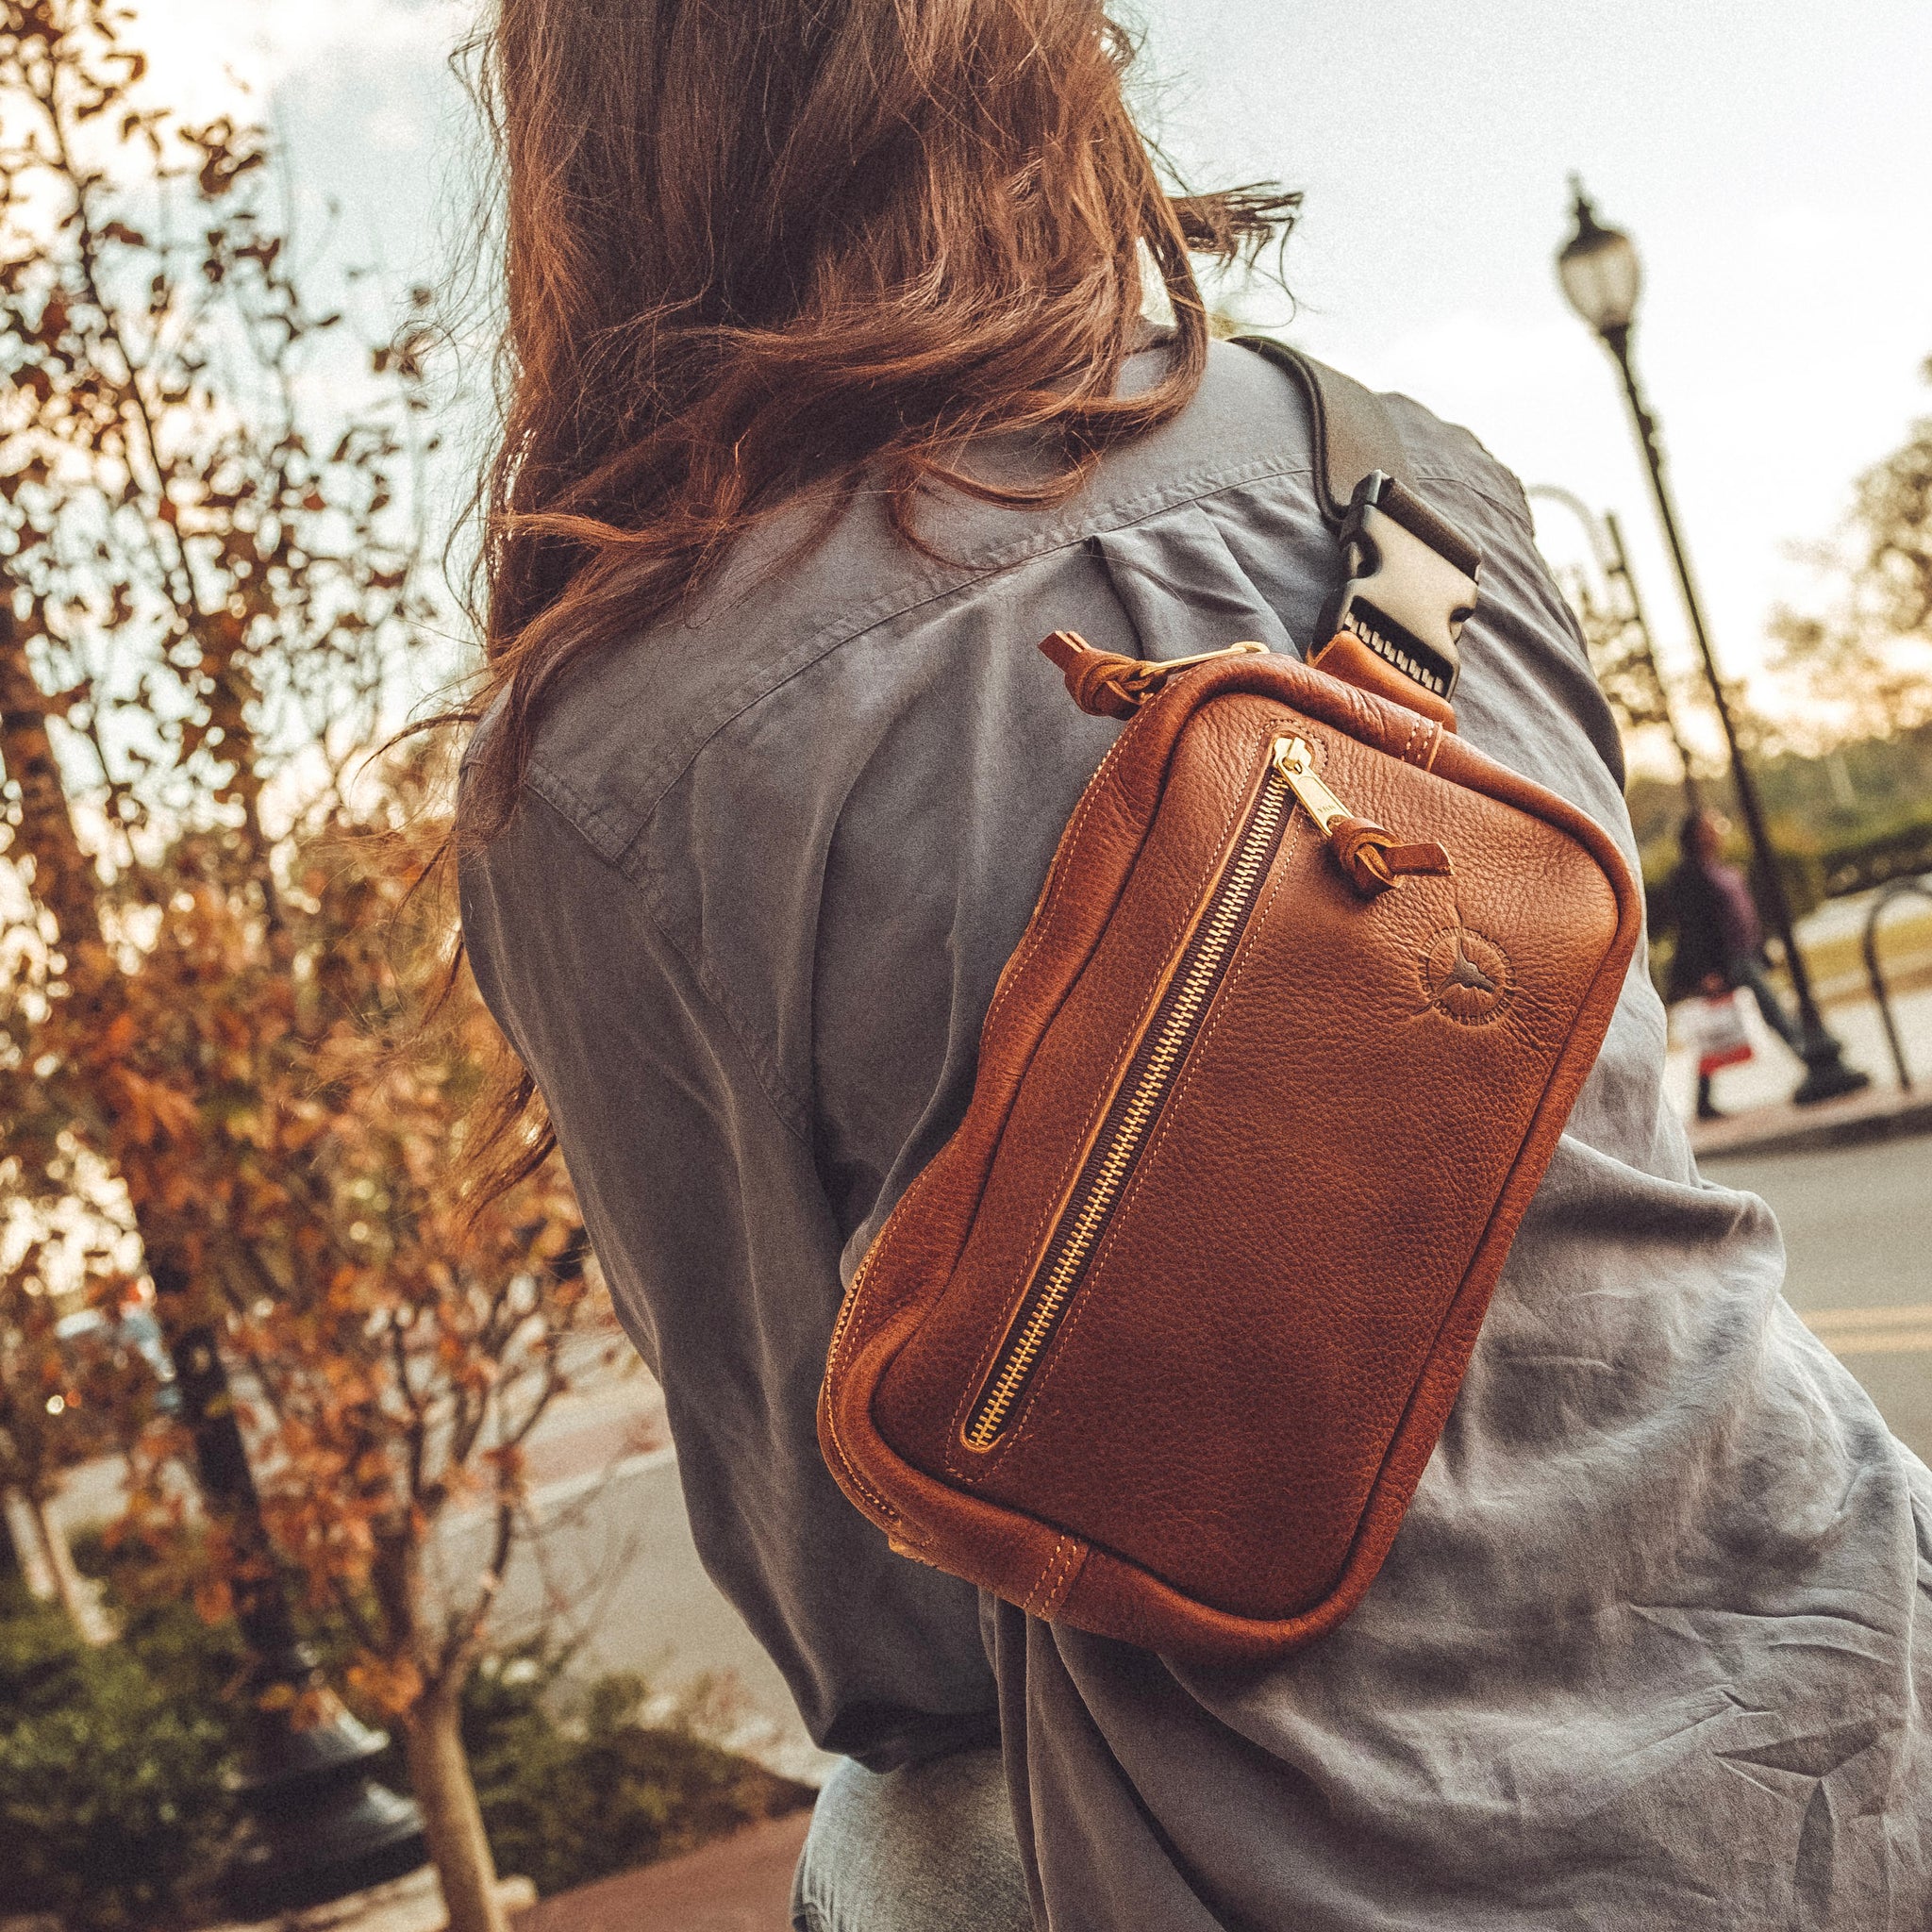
(852, 347)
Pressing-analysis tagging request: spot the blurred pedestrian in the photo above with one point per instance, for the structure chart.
(1707, 903)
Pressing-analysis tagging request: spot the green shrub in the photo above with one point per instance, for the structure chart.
(116, 1809)
(1900, 850)
(575, 1787)
(113, 1795)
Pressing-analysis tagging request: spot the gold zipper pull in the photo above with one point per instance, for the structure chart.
(1368, 852)
(1295, 762)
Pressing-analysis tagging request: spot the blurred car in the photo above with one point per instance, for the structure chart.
(91, 1340)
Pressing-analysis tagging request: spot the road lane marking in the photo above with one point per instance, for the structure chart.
(1904, 1330)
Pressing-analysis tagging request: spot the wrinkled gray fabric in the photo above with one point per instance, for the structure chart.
(1652, 1647)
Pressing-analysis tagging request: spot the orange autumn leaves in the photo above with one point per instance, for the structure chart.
(223, 1057)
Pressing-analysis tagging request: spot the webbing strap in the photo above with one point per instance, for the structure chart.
(1408, 576)
(1353, 433)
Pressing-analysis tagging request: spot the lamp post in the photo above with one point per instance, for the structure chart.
(319, 1825)
(1601, 277)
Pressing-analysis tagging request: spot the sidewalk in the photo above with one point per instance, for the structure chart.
(738, 1884)
(1756, 1097)
(1877, 1113)
(411, 1903)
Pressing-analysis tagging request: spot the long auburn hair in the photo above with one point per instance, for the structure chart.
(756, 248)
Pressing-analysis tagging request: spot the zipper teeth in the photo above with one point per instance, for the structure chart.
(1180, 1007)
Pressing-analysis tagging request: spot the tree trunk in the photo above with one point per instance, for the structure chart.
(29, 1547)
(75, 1593)
(452, 1820)
(65, 881)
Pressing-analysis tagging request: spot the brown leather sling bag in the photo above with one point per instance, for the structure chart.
(1159, 1342)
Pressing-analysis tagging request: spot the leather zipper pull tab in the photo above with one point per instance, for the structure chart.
(1110, 686)
(1369, 853)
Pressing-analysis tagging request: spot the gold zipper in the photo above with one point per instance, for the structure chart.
(1294, 765)
(1165, 1040)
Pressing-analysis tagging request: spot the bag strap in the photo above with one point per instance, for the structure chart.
(1355, 434)
(1409, 579)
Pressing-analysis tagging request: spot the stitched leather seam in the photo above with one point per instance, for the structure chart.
(850, 1322)
(845, 1329)
(1057, 871)
(851, 1469)
(849, 1314)
(1056, 1590)
(1057, 1352)
(971, 1468)
(1032, 1595)
(1044, 1377)
(1041, 1594)
(1056, 882)
(1063, 1586)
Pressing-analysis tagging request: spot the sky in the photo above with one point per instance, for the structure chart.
(1772, 159)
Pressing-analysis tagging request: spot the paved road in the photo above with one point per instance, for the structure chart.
(1857, 1227)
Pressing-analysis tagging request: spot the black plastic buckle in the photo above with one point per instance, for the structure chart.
(1410, 583)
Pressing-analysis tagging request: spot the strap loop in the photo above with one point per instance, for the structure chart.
(1109, 685)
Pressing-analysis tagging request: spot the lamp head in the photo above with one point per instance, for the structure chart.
(1599, 271)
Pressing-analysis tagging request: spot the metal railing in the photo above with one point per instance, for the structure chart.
(1881, 997)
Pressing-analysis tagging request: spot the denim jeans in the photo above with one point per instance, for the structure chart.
(928, 1848)
(1749, 974)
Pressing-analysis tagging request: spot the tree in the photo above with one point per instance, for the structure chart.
(214, 969)
(1865, 661)
(401, 1347)
(55, 1403)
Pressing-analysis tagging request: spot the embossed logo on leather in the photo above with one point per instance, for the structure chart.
(1466, 975)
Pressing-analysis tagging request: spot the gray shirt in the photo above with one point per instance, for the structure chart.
(1654, 1645)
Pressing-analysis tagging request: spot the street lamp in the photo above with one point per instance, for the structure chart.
(320, 1825)
(1600, 276)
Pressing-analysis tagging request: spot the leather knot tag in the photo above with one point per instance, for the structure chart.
(1374, 860)
(1110, 686)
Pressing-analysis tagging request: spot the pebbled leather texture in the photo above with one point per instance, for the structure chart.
(1216, 1445)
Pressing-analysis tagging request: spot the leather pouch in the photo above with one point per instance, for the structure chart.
(1159, 1342)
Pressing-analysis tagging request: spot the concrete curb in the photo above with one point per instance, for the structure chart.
(1882, 1113)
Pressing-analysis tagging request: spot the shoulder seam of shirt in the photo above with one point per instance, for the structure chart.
(791, 1114)
(618, 844)
(616, 841)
